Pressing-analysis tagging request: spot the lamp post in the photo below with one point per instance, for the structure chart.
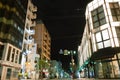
(72, 63)
(71, 53)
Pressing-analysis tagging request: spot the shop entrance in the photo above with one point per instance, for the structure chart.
(107, 69)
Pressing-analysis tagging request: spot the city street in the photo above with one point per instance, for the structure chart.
(59, 39)
(74, 79)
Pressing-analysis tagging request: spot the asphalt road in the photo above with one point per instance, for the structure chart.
(73, 79)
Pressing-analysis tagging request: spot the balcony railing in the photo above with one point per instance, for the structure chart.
(34, 16)
(34, 9)
(28, 41)
(30, 32)
(33, 23)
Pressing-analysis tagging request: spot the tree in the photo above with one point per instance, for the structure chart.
(43, 64)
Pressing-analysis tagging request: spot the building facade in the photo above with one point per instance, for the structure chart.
(11, 37)
(43, 40)
(28, 61)
(99, 51)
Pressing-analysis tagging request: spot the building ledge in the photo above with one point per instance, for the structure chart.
(10, 64)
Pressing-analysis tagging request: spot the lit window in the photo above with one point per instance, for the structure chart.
(115, 11)
(100, 45)
(118, 32)
(98, 37)
(105, 34)
(102, 39)
(107, 43)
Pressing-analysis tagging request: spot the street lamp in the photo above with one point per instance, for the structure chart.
(72, 63)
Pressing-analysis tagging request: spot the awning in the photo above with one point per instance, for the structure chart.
(108, 52)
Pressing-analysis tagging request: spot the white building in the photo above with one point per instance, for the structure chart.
(100, 46)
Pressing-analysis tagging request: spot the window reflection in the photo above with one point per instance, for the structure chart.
(98, 17)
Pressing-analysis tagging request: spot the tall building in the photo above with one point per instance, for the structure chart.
(12, 18)
(43, 40)
(99, 51)
(29, 46)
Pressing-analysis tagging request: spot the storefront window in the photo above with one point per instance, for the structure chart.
(15, 73)
(8, 73)
(116, 69)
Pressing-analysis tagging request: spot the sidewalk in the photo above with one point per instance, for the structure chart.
(35, 79)
(95, 79)
(74, 79)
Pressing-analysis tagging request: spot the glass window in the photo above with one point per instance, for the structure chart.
(107, 43)
(101, 15)
(111, 6)
(100, 9)
(118, 32)
(102, 39)
(9, 71)
(98, 17)
(94, 13)
(118, 18)
(95, 18)
(100, 45)
(1, 51)
(102, 21)
(13, 53)
(114, 18)
(98, 37)
(15, 73)
(20, 43)
(113, 12)
(114, 7)
(96, 24)
(2, 12)
(118, 55)
(9, 52)
(117, 12)
(105, 34)
(16, 56)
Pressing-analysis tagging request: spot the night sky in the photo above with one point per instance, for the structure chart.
(65, 21)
